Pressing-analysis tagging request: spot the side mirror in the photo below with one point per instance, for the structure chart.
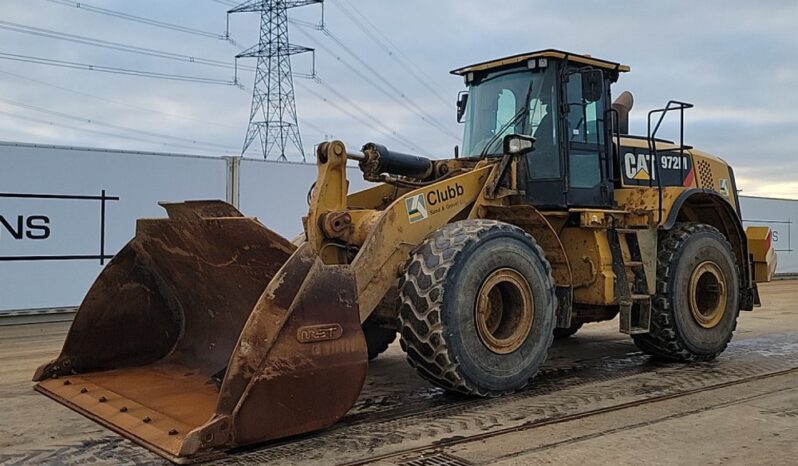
(518, 144)
(592, 85)
(462, 104)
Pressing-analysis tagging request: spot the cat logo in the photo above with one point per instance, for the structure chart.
(416, 208)
(637, 166)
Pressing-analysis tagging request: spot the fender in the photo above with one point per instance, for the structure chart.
(536, 224)
(715, 210)
(382, 238)
(390, 235)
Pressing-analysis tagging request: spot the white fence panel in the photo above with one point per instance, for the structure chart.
(54, 229)
(779, 215)
(276, 192)
(63, 211)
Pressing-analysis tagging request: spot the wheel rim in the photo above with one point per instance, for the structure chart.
(707, 294)
(504, 311)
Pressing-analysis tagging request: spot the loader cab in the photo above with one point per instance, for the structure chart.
(560, 99)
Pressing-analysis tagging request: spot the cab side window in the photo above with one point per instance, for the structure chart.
(544, 161)
(585, 135)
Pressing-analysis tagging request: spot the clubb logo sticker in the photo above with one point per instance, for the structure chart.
(439, 199)
(416, 208)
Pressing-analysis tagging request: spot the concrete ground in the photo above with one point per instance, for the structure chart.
(598, 400)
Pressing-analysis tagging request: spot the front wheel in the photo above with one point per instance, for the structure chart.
(694, 312)
(561, 333)
(477, 310)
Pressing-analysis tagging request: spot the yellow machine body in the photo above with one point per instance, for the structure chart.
(208, 331)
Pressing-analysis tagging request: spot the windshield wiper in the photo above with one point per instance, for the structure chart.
(512, 121)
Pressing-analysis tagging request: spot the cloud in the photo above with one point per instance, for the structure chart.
(732, 59)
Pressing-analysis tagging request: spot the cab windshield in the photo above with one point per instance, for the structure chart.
(509, 102)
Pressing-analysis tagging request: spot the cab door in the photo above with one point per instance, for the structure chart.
(585, 97)
(546, 188)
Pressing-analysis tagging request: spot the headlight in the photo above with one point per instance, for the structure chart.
(517, 144)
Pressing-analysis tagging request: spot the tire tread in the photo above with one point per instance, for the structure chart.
(421, 299)
(663, 339)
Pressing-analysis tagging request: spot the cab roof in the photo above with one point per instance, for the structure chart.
(548, 53)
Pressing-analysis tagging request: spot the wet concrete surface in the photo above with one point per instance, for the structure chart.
(598, 400)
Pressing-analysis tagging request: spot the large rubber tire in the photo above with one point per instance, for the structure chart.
(675, 333)
(438, 301)
(562, 333)
(378, 337)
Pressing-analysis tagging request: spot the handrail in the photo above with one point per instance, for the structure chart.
(652, 145)
(614, 134)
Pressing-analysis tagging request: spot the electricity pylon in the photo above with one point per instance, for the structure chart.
(272, 117)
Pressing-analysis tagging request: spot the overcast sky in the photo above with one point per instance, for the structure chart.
(737, 61)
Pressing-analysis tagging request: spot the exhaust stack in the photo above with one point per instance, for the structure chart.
(623, 105)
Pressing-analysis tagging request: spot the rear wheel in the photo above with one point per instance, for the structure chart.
(378, 337)
(477, 308)
(381, 326)
(695, 309)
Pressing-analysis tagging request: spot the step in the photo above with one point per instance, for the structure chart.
(633, 263)
(629, 231)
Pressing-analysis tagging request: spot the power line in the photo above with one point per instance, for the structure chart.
(301, 120)
(412, 106)
(273, 117)
(385, 128)
(313, 126)
(174, 27)
(127, 48)
(104, 133)
(110, 125)
(181, 57)
(48, 33)
(360, 115)
(306, 24)
(115, 102)
(145, 109)
(113, 70)
(385, 43)
(21, 28)
(354, 116)
(139, 19)
(365, 77)
(379, 75)
(374, 124)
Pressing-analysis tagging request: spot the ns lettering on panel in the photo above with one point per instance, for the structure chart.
(23, 221)
(34, 227)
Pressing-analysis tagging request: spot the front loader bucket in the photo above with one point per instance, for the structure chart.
(208, 331)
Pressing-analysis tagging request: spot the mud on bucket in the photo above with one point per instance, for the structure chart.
(184, 338)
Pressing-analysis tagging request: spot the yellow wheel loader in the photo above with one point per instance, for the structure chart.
(208, 331)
